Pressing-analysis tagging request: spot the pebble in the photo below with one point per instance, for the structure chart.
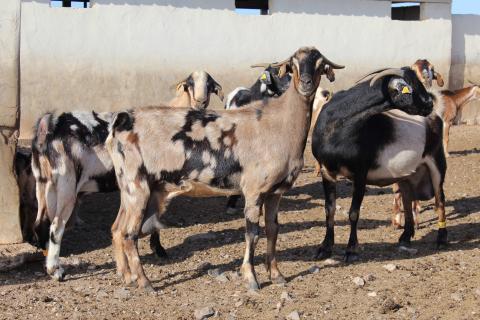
(388, 305)
(359, 281)
(331, 262)
(203, 313)
(372, 294)
(286, 296)
(456, 296)
(91, 267)
(410, 251)
(314, 269)
(238, 303)
(390, 267)
(121, 293)
(294, 315)
(477, 292)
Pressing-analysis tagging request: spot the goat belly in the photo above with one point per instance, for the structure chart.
(404, 154)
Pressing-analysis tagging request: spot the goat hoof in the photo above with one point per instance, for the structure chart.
(148, 288)
(323, 253)
(351, 257)
(59, 274)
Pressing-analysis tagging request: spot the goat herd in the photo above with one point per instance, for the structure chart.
(389, 128)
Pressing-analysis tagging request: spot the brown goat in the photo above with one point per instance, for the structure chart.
(256, 151)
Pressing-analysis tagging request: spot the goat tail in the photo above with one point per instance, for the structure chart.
(43, 130)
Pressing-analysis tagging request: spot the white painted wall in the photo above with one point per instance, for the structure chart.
(123, 53)
(466, 60)
(9, 196)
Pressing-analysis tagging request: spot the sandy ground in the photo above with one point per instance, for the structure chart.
(426, 285)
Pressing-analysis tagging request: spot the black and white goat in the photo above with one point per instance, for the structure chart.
(379, 132)
(69, 160)
(269, 84)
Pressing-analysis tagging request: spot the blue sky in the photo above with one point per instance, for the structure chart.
(466, 6)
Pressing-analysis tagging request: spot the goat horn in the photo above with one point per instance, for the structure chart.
(278, 64)
(331, 64)
(370, 74)
(388, 72)
(260, 65)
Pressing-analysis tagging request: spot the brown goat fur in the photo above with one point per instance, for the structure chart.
(256, 151)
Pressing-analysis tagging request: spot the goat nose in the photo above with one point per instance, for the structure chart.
(306, 80)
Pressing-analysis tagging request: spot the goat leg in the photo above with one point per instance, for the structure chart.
(330, 190)
(359, 186)
(271, 227)
(252, 217)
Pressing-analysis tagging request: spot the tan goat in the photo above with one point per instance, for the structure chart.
(256, 151)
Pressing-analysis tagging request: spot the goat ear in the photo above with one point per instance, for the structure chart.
(181, 86)
(284, 69)
(330, 73)
(438, 77)
(218, 90)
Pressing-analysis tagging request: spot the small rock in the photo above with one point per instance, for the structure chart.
(410, 251)
(91, 267)
(203, 236)
(330, 262)
(221, 278)
(359, 281)
(388, 305)
(214, 272)
(314, 269)
(121, 293)
(74, 262)
(238, 303)
(47, 299)
(204, 266)
(390, 267)
(203, 313)
(279, 306)
(294, 315)
(456, 296)
(101, 294)
(372, 294)
(286, 296)
(477, 292)
(369, 277)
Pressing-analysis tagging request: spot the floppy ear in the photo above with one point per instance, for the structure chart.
(329, 73)
(284, 69)
(438, 77)
(181, 86)
(217, 89)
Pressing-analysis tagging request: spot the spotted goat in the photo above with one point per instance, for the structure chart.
(69, 160)
(256, 151)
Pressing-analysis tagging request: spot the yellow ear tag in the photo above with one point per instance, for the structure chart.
(45, 253)
(263, 76)
(405, 90)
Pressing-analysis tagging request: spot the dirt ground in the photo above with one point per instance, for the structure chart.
(427, 284)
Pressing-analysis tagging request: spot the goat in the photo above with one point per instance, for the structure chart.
(256, 151)
(26, 187)
(269, 84)
(69, 160)
(426, 73)
(321, 97)
(194, 91)
(362, 136)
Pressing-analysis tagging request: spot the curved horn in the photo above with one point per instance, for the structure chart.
(388, 72)
(278, 64)
(333, 65)
(260, 65)
(370, 74)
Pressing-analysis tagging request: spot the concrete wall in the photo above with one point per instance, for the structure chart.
(123, 53)
(466, 60)
(9, 33)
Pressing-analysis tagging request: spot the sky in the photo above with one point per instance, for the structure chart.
(458, 7)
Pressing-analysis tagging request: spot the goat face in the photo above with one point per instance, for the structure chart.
(274, 84)
(307, 65)
(199, 85)
(408, 94)
(426, 73)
